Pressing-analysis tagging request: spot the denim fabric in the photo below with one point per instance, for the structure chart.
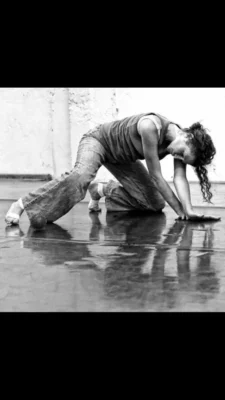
(135, 190)
(57, 197)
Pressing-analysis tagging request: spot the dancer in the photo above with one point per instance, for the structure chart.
(120, 146)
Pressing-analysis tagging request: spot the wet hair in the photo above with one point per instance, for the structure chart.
(204, 150)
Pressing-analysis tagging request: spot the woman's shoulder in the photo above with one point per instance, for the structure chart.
(154, 119)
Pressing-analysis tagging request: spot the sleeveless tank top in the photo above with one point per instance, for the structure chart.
(115, 137)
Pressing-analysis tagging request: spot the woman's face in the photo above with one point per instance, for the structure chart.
(181, 149)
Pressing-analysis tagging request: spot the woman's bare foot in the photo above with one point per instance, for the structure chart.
(13, 215)
(96, 190)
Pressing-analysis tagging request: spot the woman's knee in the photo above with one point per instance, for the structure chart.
(160, 205)
(155, 202)
(157, 206)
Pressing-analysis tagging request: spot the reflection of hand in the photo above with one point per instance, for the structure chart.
(211, 218)
(201, 217)
(192, 216)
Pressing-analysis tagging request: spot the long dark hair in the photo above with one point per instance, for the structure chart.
(204, 151)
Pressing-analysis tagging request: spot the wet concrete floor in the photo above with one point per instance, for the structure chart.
(113, 262)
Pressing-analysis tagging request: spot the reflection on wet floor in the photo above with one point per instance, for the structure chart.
(113, 262)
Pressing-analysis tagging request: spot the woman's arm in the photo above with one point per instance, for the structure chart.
(182, 186)
(149, 138)
(183, 191)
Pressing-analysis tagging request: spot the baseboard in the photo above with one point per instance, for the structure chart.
(26, 177)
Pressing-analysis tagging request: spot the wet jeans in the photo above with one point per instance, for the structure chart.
(134, 190)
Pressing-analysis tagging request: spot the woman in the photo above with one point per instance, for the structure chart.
(119, 146)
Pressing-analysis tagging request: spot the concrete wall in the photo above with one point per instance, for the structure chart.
(89, 107)
(25, 131)
(41, 127)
